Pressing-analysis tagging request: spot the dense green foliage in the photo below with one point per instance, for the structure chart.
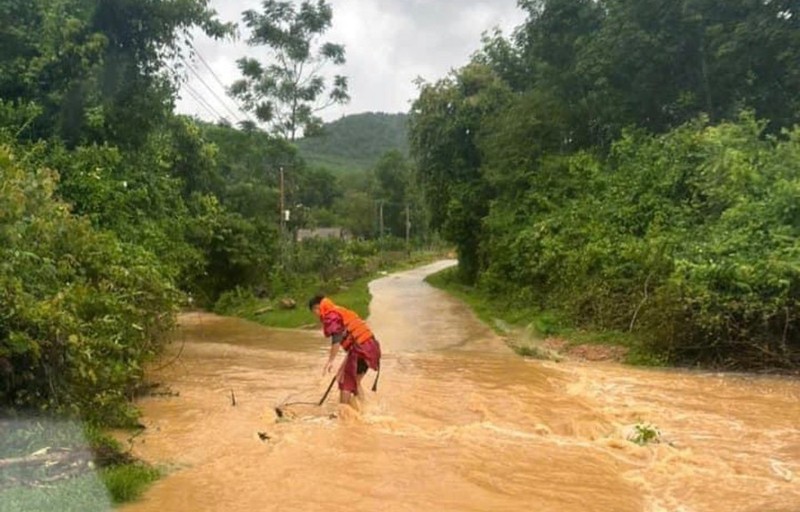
(356, 142)
(606, 164)
(95, 199)
(111, 205)
(80, 309)
(690, 238)
(94, 68)
(94, 259)
(90, 286)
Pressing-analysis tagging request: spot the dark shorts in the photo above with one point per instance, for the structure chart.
(362, 366)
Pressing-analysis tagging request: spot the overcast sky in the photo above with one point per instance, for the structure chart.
(389, 43)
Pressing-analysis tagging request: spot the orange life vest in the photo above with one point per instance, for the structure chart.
(356, 329)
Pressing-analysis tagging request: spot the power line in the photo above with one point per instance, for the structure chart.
(198, 97)
(208, 87)
(209, 68)
(202, 102)
(217, 79)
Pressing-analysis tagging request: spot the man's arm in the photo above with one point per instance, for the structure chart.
(333, 326)
(336, 341)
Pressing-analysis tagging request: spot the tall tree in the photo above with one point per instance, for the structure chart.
(445, 122)
(288, 90)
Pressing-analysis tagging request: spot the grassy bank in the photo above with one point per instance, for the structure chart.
(354, 294)
(62, 465)
(271, 313)
(531, 332)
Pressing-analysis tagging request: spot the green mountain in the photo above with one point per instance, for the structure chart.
(356, 142)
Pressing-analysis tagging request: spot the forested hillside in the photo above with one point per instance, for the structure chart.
(356, 142)
(631, 166)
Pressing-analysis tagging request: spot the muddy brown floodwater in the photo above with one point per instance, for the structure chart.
(459, 423)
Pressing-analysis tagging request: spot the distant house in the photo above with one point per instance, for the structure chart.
(323, 233)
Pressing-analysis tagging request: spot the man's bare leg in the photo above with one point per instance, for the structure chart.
(360, 389)
(346, 397)
(357, 399)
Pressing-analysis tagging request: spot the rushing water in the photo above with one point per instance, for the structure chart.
(459, 423)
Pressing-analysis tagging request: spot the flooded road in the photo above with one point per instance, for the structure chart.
(460, 423)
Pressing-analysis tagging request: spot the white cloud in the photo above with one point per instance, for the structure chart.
(389, 43)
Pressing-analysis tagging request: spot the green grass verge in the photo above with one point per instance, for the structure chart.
(129, 481)
(355, 297)
(504, 316)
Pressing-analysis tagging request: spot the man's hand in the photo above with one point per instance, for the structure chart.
(331, 358)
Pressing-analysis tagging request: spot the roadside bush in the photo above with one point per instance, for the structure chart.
(733, 297)
(80, 311)
(691, 239)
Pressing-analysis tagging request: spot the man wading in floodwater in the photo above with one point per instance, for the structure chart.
(351, 333)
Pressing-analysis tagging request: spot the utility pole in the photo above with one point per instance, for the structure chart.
(283, 209)
(375, 228)
(380, 232)
(408, 229)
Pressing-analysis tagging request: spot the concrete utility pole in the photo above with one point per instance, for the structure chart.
(283, 209)
(408, 228)
(380, 232)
